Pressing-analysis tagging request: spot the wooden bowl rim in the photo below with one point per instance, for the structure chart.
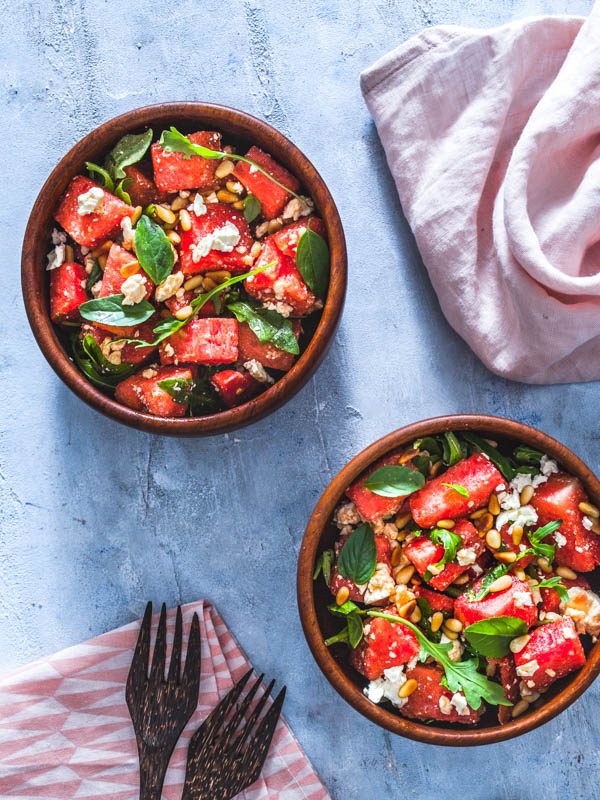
(237, 123)
(305, 594)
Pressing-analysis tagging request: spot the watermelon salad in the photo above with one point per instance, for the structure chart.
(462, 578)
(184, 272)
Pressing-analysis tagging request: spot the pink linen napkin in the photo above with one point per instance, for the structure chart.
(493, 138)
(65, 730)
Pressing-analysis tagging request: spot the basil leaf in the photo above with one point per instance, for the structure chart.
(323, 564)
(451, 449)
(451, 542)
(121, 192)
(107, 181)
(196, 394)
(267, 325)
(128, 150)
(178, 388)
(495, 456)
(111, 311)
(90, 359)
(345, 609)
(252, 207)
(429, 443)
(358, 556)
(394, 481)
(93, 278)
(492, 637)
(153, 250)
(554, 583)
(527, 455)
(457, 488)
(422, 463)
(355, 630)
(312, 260)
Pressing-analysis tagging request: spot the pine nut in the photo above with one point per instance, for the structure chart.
(137, 213)
(478, 514)
(500, 584)
(174, 237)
(165, 214)
(235, 187)
(185, 220)
(519, 643)
(343, 593)
(223, 196)
(437, 620)
(520, 708)
(519, 573)
(404, 574)
(402, 521)
(179, 203)
(416, 615)
(224, 169)
(544, 565)
(595, 527)
(491, 442)
(408, 688)
(416, 580)
(184, 313)
(69, 254)
(447, 524)
(401, 536)
(494, 505)
(462, 579)
(396, 556)
(435, 468)
(405, 610)
(484, 523)
(506, 557)
(102, 261)
(517, 534)
(255, 249)
(130, 269)
(193, 283)
(454, 625)
(103, 248)
(274, 225)
(408, 455)
(209, 284)
(589, 510)
(566, 573)
(238, 205)
(219, 276)
(526, 495)
(493, 539)
(449, 633)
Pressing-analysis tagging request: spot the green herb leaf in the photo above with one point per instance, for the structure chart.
(492, 575)
(111, 311)
(267, 325)
(450, 541)
(323, 564)
(252, 207)
(452, 451)
(98, 370)
(554, 583)
(342, 636)
(394, 481)
(153, 250)
(527, 455)
(430, 444)
(93, 278)
(196, 394)
(121, 192)
(128, 150)
(538, 546)
(498, 460)
(107, 181)
(358, 556)
(345, 609)
(457, 488)
(492, 637)
(312, 260)
(355, 630)
(426, 614)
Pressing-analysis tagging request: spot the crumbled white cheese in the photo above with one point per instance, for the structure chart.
(588, 524)
(523, 479)
(528, 669)
(380, 586)
(523, 599)
(501, 487)
(133, 289)
(60, 237)
(466, 556)
(459, 701)
(347, 514)
(169, 351)
(513, 512)
(128, 233)
(456, 651)
(588, 604)
(282, 308)
(387, 687)
(149, 373)
(258, 372)
(168, 287)
(548, 465)
(198, 206)
(224, 239)
(89, 202)
(297, 208)
(56, 257)
(560, 539)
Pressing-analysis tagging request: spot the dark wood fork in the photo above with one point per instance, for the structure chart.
(226, 756)
(160, 708)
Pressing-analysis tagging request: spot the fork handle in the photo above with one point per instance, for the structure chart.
(153, 768)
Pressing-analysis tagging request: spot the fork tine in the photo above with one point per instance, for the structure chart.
(258, 746)
(240, 712)
(138, 672)
(210, 727)
(175, 663)
(157, 671)
(191, 672)
(247, 729)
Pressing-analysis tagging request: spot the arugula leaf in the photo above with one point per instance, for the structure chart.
(323, 564)
(452, 451)
(267, 325)
(107, 181)
(497, 572)
(153, 250)
(498, 460)
(312, 260)
(457, 488)
(394, 481)
(120, 190)
(524, 454)
(554, 583)
(90, 359)
(345, 609)
(111, 311)
(130, 149)
(539, 547)
(459, 675)
(252, 207)
(450, 541)
(358, 556)
(196, 394)
(492, 637)
(93, 278)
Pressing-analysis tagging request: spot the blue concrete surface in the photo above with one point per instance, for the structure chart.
(96, 519)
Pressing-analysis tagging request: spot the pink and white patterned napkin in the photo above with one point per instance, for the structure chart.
(65, 730)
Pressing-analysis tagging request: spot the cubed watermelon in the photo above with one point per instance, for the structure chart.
(423, 553)
(67, 292)
(130, 354)
(213, 340)
(509, 545)
(112, 279)
(385, 644)
(90, 229)
(516, 601)
(272, 197)
(235, 388)
(142, 191)
(266, 353)
(280, 286)
(384, 554)
(559, 498)
(507, 672)
(173, 171)
(436, 600)
(553, 651)
(424, 702)
(436, 501)
(287, 238)
(144, 394)
(216, 216)
(370, 505)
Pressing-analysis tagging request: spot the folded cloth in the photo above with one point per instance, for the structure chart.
(65, 730)
(492, 137)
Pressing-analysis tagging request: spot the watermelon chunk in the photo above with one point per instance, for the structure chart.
(130, 354)
(553, 651)
(173, 171)
(435, 501)
(235, 388)
(280, 286)
(67, 292)
(424, 702)
(384, 645)
(90, 229)
(142, 191)
(213, 340)
(559, 498)
(507, 540)
(372, 506)
(384, 555)
(516, 601)
(217, 215)
(423, 553)
(266, 353)
(550, 597)
(272, 197)
(510, 684)
(287, 238)
(112, 280)
(436, 600)
(144, 394)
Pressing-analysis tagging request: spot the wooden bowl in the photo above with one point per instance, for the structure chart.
(238, 128)
(318, 624)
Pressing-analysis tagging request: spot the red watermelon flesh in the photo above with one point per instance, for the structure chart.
(67, 292)
(287, 238)
(373, 506)
(553, 651)
(424, 702)
(235, 388)
(92, 229)
(144, 394)
(271, 196)
(516, 601)
(265, 352)
(173, 171)
(112, 280)
(281, 285)
(216, 216)
(384, 644)
(213, 340)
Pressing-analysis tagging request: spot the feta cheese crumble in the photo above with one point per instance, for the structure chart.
(523, 599)
(168, 287)
(587, 604)
(224, 239)
(258, 372)
(133, 289)
(128, 233)
(560, 539)
(89, 202)
(56, 257)
(466, 556)
(380, 586)
(588, 524)
(198, 206)
(347, 514)
(528, 669)
(387, 687)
